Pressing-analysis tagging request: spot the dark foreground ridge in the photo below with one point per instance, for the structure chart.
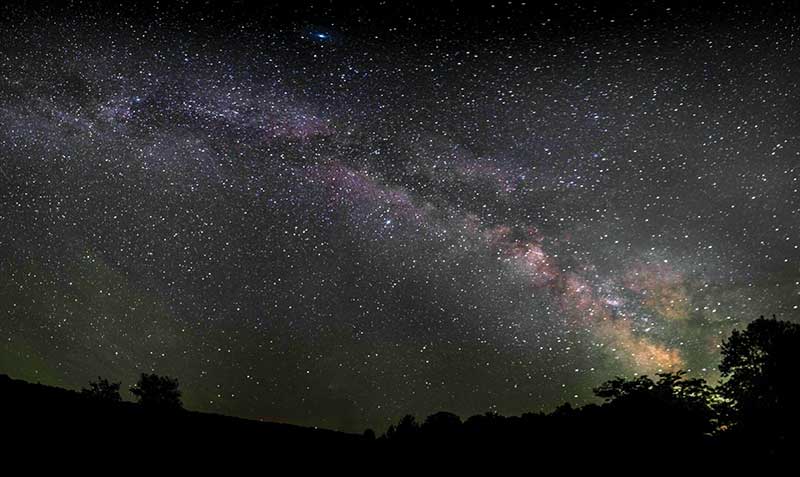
(48, 416)
(752, 414)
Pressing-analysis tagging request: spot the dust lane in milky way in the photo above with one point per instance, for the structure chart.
(334, 223)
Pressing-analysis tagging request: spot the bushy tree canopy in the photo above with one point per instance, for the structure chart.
(158, 392)
(102, 390)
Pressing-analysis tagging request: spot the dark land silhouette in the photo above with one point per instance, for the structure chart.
(97, 422)
(752, 412)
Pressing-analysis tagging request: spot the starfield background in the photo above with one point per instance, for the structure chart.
(329, 214)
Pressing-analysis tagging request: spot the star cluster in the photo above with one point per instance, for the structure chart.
(335, 219)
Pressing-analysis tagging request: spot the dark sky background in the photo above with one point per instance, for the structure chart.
(334, 215)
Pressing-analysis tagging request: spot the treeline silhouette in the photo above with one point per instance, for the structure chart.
(754, 411)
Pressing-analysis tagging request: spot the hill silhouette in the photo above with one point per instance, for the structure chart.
(53, 417)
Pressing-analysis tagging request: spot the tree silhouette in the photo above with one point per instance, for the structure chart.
(406, 430)
(442, 420)
(102, 390)
(674, 402)
(158, 392)
(442, 425)
(760, 367)
(671, 386)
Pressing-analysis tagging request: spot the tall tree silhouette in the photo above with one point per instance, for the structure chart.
(760, 367)
(158, 392)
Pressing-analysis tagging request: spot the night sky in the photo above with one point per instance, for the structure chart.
(329, 215)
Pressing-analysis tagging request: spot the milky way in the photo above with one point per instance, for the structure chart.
(335, 219)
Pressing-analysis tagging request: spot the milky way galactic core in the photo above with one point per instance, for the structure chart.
(334, 216)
